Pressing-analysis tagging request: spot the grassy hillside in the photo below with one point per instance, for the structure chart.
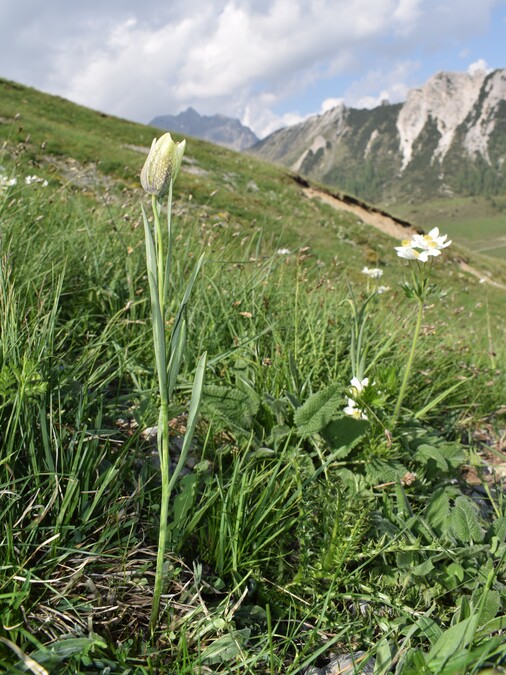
(296, 531)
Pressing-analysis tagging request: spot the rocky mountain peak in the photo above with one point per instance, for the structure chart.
(447, 99)
(447, 138)
(218, 129)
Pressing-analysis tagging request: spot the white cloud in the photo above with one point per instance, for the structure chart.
(330, 103)
(478, 66)
(243, 58)
(378, 86)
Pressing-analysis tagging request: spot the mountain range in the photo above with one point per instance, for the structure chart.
(447, 139)
(217, 129)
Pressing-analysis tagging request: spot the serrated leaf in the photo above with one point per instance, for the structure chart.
(497, 529)
(464, 523)
(319, 409)
(380, 471)
(345, 433)
(230, 405)
(490, 607)
(438, 510)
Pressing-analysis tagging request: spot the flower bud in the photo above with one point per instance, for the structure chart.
(162, 165)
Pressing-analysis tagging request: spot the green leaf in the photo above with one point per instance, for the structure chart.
(181, 505)
(192, 418)
(454, 639)
(380, 471)
(438, 399)
(491, 604)
(319, 409)
(423, 569)
(493, 626)
(464, 523)
(65, 648)
(344, 432)
(235, 407)
(225, 648)
(438, 510)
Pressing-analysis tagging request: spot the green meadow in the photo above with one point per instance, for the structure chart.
(297, 533)
(478, 223)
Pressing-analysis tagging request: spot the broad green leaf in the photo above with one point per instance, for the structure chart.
(454, 639)
(319, 409)
(438, 510)
(464, 522)
(235, 407)
(226, 647)
(344, 432)
(490, 604)
(493, 626)
(423, 569)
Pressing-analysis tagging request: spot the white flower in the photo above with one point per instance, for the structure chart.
(283, 251)
(429, 244)
(35, 179)
(382, 289)
(7, 182)
(373, 273)
(408, 252)
(431, 241)
(352, 410)
(357, 386)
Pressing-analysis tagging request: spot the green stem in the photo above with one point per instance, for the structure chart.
(163, 449)
(163, 419)
(409, 364)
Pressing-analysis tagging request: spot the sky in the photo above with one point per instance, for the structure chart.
(269, 63)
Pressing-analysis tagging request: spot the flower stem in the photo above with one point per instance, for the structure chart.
(409, 364)
(163, 416)
(163, 449)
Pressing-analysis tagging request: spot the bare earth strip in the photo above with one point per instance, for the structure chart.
(372, 216)
(386, 224)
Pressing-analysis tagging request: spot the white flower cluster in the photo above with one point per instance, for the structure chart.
(373, 273)
(29, 180)
(7, 182)
(422, 246)
(352, 409)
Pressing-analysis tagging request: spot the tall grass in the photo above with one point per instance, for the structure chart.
(286, 544)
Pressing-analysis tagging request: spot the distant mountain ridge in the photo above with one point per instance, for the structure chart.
(448, 138)
(217, 129)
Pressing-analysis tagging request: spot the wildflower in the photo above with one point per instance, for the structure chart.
(409, 252)
(373, 273)
(352, 410)
(357, 387)
(283, 251)
(432, 241)
(29, 180)
(430, 244)
(162, 165)
(7, 182)
(382, 289)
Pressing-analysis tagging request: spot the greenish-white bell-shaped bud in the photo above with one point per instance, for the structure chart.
(162, 165)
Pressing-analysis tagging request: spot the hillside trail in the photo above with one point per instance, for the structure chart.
(397, 229)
